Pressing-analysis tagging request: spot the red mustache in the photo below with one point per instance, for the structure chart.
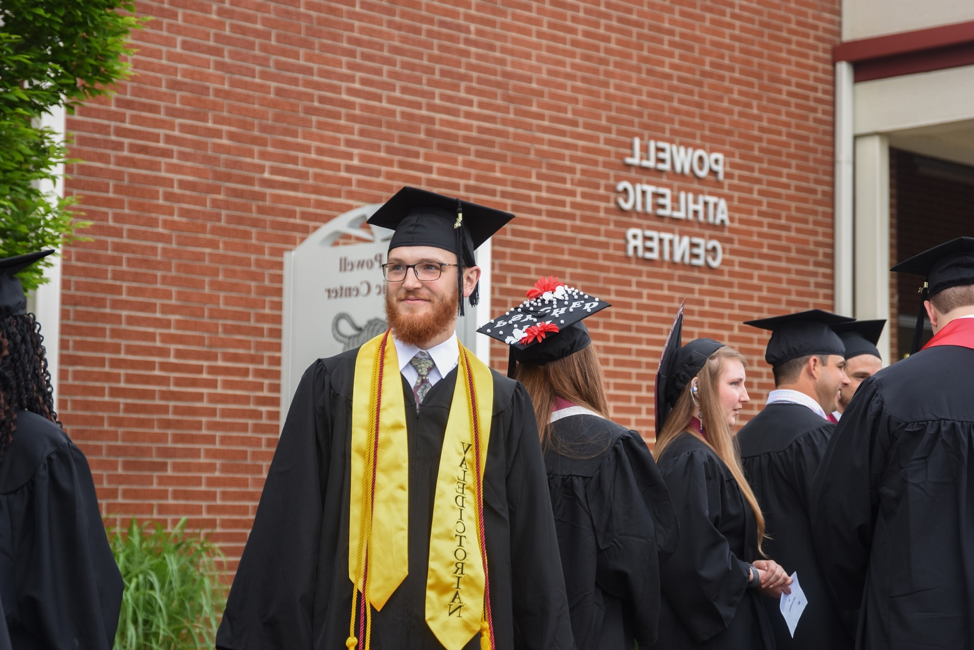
(411, 294)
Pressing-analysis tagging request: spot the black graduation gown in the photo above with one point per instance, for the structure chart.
(59, 583)
(781, 449)
(4, 635)
(614, 521)
(706, 600)
(893, 508)
(291, 590)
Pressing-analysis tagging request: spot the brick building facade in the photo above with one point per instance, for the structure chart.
(249, 123)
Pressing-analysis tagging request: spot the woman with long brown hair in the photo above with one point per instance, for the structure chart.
(712, 583)
(612, 513)
(59, 583)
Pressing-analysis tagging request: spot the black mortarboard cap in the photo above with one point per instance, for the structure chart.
(13, 301)
(950, 264)
(547, 326)
(678, 365)
(947, 265)
(860, 337)
(801, 335)
(424, 218)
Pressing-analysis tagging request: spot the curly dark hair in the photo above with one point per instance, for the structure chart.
(25, 383)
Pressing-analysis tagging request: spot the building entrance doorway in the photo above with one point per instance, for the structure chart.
(930, 203)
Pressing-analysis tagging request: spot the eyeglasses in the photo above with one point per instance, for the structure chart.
(425, 271)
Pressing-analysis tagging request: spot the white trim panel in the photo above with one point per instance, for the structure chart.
(913, 101)
(872, 233)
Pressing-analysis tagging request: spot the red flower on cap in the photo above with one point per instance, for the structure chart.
(543, 286)
(538, 332)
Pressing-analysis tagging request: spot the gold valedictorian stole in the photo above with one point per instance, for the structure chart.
(457, 583)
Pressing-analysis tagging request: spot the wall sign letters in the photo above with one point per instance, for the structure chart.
(665, 203)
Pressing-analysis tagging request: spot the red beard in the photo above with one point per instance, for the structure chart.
(417, 330)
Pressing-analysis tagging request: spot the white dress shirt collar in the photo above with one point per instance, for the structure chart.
(445, 357)
(788, 396)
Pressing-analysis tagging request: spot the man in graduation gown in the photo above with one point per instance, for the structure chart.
(862, 357)
(406, 505)
(781, 449)
(60, 588)
(892, 514)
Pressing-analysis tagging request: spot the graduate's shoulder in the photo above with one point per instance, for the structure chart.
(590, 422)
(507, 391)
(588, 439)
(35, 439)
(779, 427)
(925, 367)
(337, 372)
(621, 441)
(688, 450)
(933, 384)
(341, 362)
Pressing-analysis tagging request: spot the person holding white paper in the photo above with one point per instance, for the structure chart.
(781, 449)
(713, 582)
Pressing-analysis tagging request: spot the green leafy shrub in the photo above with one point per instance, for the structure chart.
(173, 594)
(52, 52)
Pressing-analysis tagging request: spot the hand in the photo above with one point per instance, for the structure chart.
(773, 579)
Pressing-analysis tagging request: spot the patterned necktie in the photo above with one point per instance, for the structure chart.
(423, 364)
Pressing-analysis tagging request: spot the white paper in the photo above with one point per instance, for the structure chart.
(793, 604)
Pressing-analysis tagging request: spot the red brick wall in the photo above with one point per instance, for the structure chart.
(248, 124)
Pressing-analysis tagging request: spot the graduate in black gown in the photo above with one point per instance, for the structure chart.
(387, 550)
(4, 635)
(892, 518)
(713, 582)
(59, 584)
(781, 449)
(862, 357)
(612, 512)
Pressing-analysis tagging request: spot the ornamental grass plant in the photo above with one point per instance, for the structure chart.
(173, 596)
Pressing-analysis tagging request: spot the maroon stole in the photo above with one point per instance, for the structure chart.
(562, 403)
(697, 425)
(959, 331)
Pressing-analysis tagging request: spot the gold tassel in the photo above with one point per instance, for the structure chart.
(485, 636)
(351, 641)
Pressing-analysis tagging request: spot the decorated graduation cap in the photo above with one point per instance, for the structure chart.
(678, 365)
(950, 264)
(800, 335)
(424, 218)
(547, 326)
(860, 337)
(13, 300)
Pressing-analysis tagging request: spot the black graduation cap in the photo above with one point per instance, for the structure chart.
(424, 218)
(947, 265)
(801, 334)
(678, 365)
(860, 337)
(13, 301)
(547, 326)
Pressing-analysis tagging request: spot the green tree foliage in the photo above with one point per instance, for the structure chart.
(51, 52)
(173, 596)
